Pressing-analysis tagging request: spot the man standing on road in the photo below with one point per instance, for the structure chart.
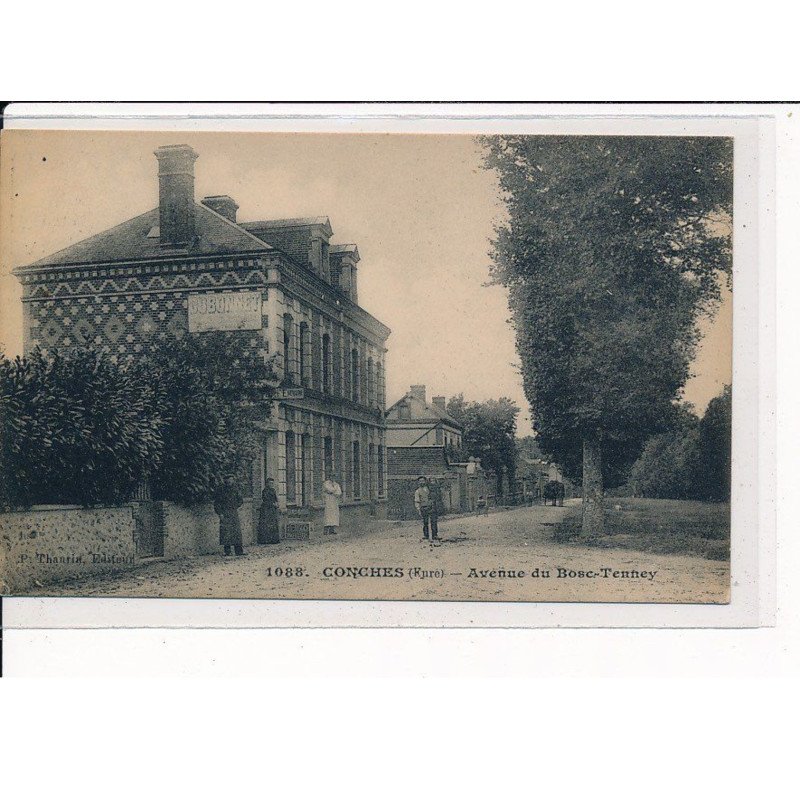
(423, 501)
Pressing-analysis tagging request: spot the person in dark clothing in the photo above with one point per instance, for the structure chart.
(268, 515)
(426, 509)
(227, 501)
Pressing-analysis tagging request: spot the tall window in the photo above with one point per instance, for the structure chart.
(364, 375)
(379, 383)
(302, 357)
(288, 325)
(370, 382)
(354, 374)
(356, 471)
(305, 451)
(291, 469)
(263, 460)
(326, 363)
(381, 457)
(328, 456)
(338, 363)
(371, 471)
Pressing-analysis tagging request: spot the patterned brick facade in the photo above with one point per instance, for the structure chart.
(124, 311)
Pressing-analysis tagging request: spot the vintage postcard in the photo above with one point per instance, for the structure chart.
(389, 366)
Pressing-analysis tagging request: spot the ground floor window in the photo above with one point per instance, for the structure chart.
(381, 461)
(356, 471)
(371, 471)
(328, 457)
(291, 469)
(265, 455)
(305, 451)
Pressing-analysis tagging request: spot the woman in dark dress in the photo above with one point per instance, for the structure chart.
(268, 515)
(226, 503)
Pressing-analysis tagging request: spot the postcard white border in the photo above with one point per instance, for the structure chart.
(753, 565)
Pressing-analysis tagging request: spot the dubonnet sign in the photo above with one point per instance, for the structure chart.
(224, 311)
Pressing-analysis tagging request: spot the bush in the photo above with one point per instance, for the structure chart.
(207, 390)
(664, 468)
(78, 428)
(75, 429)
(692, 460)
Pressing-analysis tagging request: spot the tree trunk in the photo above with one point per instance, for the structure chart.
(593, 513)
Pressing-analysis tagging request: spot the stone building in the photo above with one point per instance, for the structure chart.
(186, 267)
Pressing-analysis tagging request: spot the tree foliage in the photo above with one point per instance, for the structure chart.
(489, 431)
(712, 463)
(75, 428)
(691, 461)
(207, 390)
(611, 252)
(664, 468)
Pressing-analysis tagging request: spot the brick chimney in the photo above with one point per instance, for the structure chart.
(345, 259)
(440, 403)
(222, 204)
(418, 391)
(176, 194)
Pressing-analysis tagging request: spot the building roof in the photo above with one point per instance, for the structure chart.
(338, 249)
(419, 412)
(137, 239)
(415, 461)
(291, 222)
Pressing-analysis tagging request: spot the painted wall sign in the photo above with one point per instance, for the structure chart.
(224, 311)
(289, 393)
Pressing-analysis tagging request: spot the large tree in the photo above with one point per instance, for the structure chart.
(489, 433)
(612, 250)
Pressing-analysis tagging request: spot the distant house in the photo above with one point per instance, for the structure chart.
(413, 422)
(420, 437)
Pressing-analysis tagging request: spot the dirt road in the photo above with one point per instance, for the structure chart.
(505, 556)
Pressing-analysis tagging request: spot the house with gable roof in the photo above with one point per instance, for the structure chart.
(421, 439)
(413, 422)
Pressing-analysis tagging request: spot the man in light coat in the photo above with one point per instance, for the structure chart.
(333, 494)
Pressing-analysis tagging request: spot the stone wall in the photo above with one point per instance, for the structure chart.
(190, 531)
(248, 519)
(48, 545)
(52, 544)
(194, 530)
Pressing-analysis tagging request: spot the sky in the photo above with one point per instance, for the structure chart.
(420, 208)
